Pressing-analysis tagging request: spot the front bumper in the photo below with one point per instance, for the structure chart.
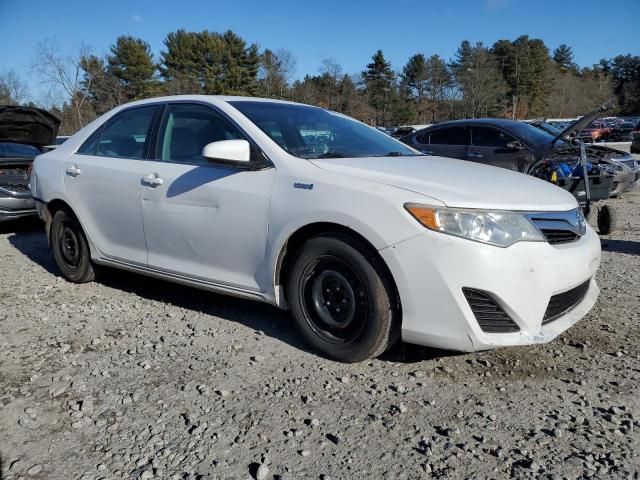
(12, 208)
(634, 184)
(431, 270)
(622, 182)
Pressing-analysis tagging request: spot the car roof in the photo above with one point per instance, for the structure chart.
(495, 122)
(208, 98)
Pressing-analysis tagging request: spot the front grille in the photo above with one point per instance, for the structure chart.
(564, 302)
(15, 187)
(558, 227)
(490, 316)
(559, 236)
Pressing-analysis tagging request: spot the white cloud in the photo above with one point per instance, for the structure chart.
(136, 18)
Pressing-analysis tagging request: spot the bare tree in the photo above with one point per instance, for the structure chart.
(276, 70)
(13, 90)
(330, 74)
(64, 75)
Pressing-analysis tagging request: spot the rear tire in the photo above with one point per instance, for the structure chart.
(70, 248)
(607, 220)
(342, 299)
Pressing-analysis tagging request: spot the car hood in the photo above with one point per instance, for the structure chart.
(582, 123)
(28, 125)
(456, 183)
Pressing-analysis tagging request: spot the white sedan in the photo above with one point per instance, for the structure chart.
(361, 237)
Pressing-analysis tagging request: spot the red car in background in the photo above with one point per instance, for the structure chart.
(596, 132)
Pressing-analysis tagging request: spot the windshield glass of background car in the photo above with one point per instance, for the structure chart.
(8, 149)
(530, 134)
(311, 132)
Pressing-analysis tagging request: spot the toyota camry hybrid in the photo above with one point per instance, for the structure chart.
(364, 239)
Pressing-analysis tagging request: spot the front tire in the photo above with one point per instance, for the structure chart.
(342, 299)
(70, 248)
(607, 220)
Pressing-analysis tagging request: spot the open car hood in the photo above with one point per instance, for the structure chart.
(28, 125)
(576, 127)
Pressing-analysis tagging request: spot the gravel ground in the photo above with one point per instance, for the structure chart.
(137, 378)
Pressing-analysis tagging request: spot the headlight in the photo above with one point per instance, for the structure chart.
(497, 228)
(613, 167)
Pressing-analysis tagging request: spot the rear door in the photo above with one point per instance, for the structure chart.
(103, 180)
(492, 146)
(449, 142)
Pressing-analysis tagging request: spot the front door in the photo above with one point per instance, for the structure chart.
(498, 148)
(103, 181)
(202, 218)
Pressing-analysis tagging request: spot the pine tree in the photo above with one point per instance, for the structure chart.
(527, 69)
(563, 56)
(211, 63)
(131, 62)
(478, 80)
(378, 81)
(414, 76)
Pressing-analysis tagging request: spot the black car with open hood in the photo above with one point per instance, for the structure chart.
(24, 132)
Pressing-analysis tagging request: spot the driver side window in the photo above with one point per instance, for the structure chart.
(187, 128)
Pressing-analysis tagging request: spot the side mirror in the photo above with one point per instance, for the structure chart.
(228, 150)
(514, 145)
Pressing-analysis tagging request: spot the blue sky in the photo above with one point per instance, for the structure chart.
(347, 31)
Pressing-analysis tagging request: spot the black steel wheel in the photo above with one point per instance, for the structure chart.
(70, 248)
(342, 299)
(607, 220)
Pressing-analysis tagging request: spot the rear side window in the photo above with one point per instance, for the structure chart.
(490, 137)
(126, 135)
(449, 136)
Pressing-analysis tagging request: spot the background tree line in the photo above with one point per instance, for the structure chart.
(513, 79)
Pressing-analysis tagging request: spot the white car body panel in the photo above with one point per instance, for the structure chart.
(210, 221)
(106, 196)
(225, 230)
(457, 183)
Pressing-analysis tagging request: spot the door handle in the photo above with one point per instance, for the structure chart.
(474, 155)
(73, 171)
(152, 180)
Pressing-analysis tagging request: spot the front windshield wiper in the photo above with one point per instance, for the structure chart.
(398, 154)
(331, 155)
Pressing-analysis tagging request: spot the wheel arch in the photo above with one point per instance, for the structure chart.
(55, 205)
(296, 240)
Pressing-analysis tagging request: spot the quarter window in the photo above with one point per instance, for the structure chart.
(126, 134)
(449, 136)
(490, 137)
(187, 128)
(423, 138)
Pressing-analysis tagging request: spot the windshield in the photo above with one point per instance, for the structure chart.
(532, 135)
(547, 127)
(311, 132)
(8, 149)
